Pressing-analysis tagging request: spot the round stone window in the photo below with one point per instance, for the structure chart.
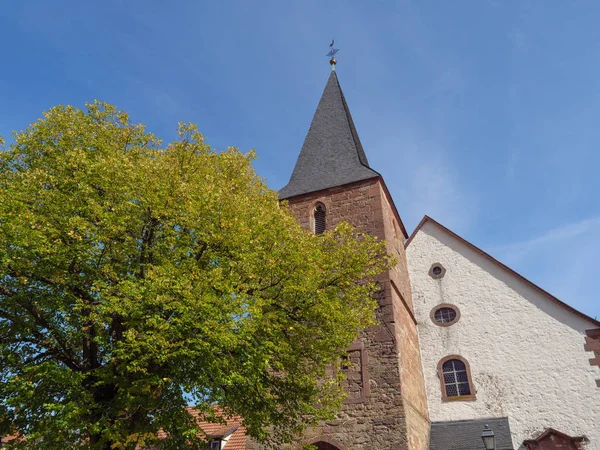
(437, 271)
(445, 315)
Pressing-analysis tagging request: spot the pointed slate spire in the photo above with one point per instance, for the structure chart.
(332, 154)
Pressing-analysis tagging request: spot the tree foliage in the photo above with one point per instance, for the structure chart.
(136, 278)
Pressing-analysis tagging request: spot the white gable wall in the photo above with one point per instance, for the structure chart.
(525, 350)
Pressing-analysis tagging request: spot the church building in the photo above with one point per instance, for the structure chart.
(466, 354)
(463, 343)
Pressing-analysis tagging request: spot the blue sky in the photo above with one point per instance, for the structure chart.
(482, 114)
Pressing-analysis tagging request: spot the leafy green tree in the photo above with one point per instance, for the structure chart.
(136, 278)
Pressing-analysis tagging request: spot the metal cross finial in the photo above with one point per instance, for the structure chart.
(331, 54)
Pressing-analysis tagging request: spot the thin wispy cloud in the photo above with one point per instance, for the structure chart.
(561, 260)
(517, 38)
(435, 189)
(425, 181)
(567, 232)
(512, 170)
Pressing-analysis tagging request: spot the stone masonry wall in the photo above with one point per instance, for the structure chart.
(388, 415)
(592, 344)
(409, 354)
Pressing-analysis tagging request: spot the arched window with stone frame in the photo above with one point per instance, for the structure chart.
(319, 218)
(455, 379)
(325, 443)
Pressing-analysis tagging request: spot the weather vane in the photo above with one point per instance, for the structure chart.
(331, 54)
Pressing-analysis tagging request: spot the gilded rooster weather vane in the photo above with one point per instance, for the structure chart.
(331, 54)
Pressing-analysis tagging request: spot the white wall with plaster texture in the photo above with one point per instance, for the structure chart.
(525, 350)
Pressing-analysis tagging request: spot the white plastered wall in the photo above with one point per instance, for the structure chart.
(526, 351)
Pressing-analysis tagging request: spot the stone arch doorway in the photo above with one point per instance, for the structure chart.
(326, 443)
(325, 446)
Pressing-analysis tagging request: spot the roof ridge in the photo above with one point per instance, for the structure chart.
(362, 156)
(470, 420)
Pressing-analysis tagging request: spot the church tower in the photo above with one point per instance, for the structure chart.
(332, 181)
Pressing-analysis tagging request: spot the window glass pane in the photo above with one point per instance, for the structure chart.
(455, 378)
(449, 378)
(462, 376)
(458, 365)
(319, 216)
(444, 315)
(463, 389)
(451, 390)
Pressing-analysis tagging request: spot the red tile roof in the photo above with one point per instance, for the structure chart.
(5, 439)
(232, 428)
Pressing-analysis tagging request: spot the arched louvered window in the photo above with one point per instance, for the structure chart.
(455, 378)
(319, 219)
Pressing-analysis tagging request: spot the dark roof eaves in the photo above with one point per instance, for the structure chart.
(225, 433)
(465, 434)
(378, 177)
(480, 419)
(503, 266)
(318, 191)
(293, 191)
